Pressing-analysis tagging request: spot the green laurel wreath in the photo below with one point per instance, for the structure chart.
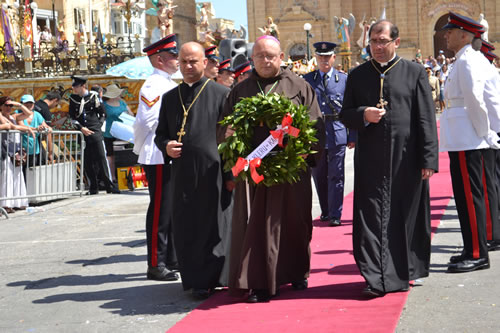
(250, 112)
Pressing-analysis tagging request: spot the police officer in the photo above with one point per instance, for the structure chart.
(162, 261)
(87, 114)
(467, 136)
(328, 175)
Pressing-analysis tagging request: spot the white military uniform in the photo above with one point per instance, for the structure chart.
(465, 124)
(468, 136)
(492, 95)
(148, 112)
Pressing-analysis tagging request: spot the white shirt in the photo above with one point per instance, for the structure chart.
(146, 119)
(465, 125)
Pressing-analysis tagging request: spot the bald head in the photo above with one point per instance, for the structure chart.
(192, 61)
(267, 57)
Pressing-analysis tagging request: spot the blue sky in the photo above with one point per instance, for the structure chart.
(235, 10)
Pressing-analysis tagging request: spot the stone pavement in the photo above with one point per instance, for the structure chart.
(78, 265)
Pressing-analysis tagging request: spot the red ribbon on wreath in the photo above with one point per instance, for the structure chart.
(286, 128)
(242, 164)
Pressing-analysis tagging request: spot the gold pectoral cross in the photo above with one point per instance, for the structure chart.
(381, 104)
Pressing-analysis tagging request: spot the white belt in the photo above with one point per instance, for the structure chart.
(455, 103)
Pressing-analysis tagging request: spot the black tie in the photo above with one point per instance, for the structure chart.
(325, 80)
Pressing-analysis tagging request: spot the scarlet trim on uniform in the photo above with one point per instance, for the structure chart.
(170, 45)
(242, 71)
(470, 204)
(489, 224)
(468, 26)
(225, 64)
(148, 102)
(156, 215)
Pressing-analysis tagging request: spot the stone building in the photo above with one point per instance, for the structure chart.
(417, 21)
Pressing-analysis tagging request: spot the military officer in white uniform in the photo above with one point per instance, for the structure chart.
(162, 261)
(467, 136)
(492, 100)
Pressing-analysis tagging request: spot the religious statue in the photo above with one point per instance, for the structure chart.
(206, 38)
(204, 13)
(364, 25)
(344, 28)
(484, 23)
(270, 28)
(165, 15)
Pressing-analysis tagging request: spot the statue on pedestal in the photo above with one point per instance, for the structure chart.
(484, 23)
(204, 13)
(344, 28)
(270, 28)
(165, 17)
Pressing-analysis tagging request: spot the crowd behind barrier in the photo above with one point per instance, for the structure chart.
(46, 166)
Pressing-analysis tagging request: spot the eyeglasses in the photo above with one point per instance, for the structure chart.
(381, 42)
(8, 105)
(268, 57)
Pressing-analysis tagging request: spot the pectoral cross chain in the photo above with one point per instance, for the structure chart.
(383, 103)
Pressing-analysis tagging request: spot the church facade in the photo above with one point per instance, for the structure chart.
(417, 20)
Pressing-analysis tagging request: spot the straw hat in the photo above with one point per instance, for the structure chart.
(112, 91)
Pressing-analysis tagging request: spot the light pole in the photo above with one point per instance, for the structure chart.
(130, 9)
(307, 28)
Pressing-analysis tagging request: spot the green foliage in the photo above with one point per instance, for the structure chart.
(284, 166)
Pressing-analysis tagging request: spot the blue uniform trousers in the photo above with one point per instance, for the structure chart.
(328, 177)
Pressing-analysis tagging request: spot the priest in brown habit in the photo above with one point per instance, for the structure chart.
(388, 100)
(270, 244)
(186, 135)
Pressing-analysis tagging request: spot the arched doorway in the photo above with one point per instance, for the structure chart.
(439, 41)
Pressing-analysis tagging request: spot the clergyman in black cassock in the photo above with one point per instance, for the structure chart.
(396, 152)
(195, 173)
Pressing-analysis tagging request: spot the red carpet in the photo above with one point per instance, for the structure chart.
(333, 301)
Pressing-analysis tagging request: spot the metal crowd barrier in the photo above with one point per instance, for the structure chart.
(47, 167)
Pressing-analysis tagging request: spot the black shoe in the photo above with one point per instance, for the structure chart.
(161, 273)
(458, 258)
(200, 293)
(173, 267)
(92, 192)
(258, 296)
(324, 218)
(493, 245)
(300, 285)
(334, 222)
(469, 265)
(371, 292)
(113, 189)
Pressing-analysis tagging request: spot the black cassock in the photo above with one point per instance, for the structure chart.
(195, 180)
(391, 226)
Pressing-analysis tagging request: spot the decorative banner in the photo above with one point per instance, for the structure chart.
(7, 37)
(28, 31)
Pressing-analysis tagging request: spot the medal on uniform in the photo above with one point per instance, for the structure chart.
(381, 102)
(182, 132)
